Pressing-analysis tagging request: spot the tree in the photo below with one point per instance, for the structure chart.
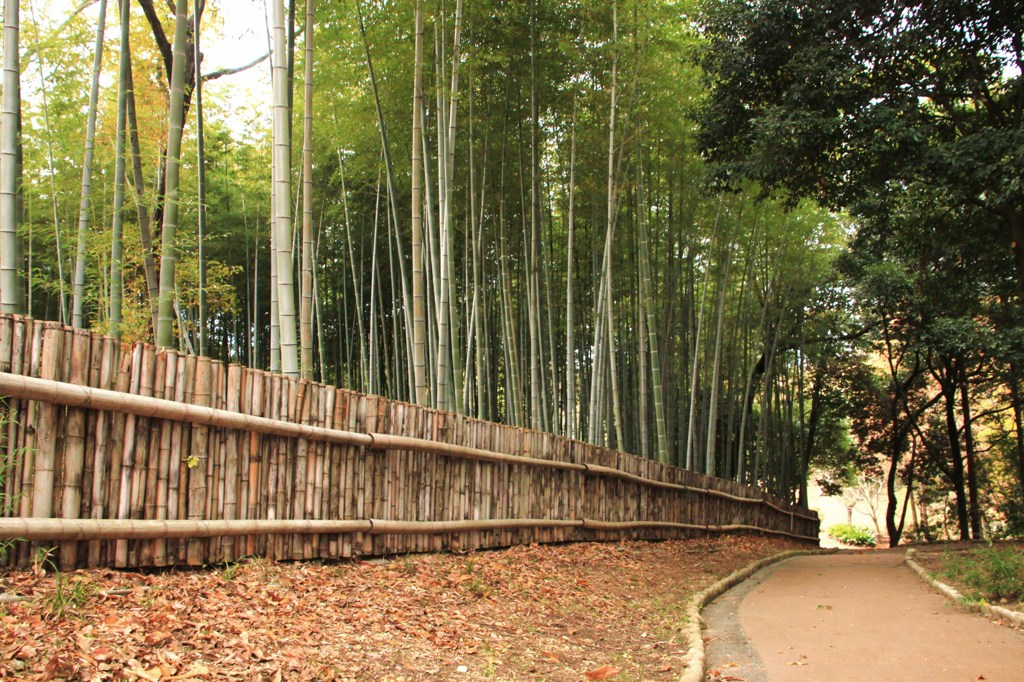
(282, 229)
(10, 180)
(306, 308)
(166, 315)
(78, 299)
(853, 103)
(117, 227)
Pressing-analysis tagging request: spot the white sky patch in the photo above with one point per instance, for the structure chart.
(235, 34)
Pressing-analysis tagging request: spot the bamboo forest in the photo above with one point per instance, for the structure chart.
(764, 240)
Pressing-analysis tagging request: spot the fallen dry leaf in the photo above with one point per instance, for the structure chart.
(605, 672)
(417, 614)
(153, 674)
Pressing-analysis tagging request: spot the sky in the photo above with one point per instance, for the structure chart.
(239, 38)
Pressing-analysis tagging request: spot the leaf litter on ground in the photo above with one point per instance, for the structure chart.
(558, 612)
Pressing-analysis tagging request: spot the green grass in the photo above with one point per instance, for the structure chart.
(992, 574)
(67, 596)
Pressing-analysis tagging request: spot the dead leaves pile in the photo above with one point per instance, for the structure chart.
(586, 611)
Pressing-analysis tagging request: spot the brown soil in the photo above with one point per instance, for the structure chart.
(866, 616)
(539, 612)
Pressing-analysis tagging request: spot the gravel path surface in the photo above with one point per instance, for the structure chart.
(853, 616)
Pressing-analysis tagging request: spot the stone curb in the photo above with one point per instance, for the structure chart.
(696, 664)
(1016, 618)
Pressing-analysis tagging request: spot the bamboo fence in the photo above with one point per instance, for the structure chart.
(134, 458)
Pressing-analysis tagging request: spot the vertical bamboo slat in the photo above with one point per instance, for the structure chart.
(144, 474)
(163, 477)
(231, 483)
(195, 552)
(74, 439)
(47, 427)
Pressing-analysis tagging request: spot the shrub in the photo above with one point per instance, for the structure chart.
(992, 573)
(849, 534)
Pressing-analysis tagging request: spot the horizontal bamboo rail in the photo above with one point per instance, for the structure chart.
(83, 396)
(733, 527)
(61, 393)
(62, 530)
(131, 529)
(383, 441)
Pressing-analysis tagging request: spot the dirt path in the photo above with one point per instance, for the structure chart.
(850, 617)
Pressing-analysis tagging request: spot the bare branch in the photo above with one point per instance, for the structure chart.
(159, 35)
(213, 75)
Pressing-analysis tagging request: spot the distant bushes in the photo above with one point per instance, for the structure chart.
(849, 534)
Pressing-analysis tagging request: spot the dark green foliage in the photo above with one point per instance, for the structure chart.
(844, 100)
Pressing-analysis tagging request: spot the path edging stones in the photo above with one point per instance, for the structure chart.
(1016, 618)
(696, 663)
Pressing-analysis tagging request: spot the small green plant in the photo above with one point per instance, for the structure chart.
(478, 588)
(991, 574)
(8, 462)
(43, 560)
(67, 594)
(407, 565)
(849, 534)
(231, 568)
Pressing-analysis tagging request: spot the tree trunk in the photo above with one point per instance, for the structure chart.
(306, 309)
(63, 313)
(419, 321)
(78, 297)
(389, 167)
(570, 342)
(116, 248)
(691, 431)
(949, 389)
(200, 178)
(647, 296)
(10, 179)
(282, 202)
(145, 220)
(972, 469)
(1018, 424)
(710, 450)
(169, 250)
